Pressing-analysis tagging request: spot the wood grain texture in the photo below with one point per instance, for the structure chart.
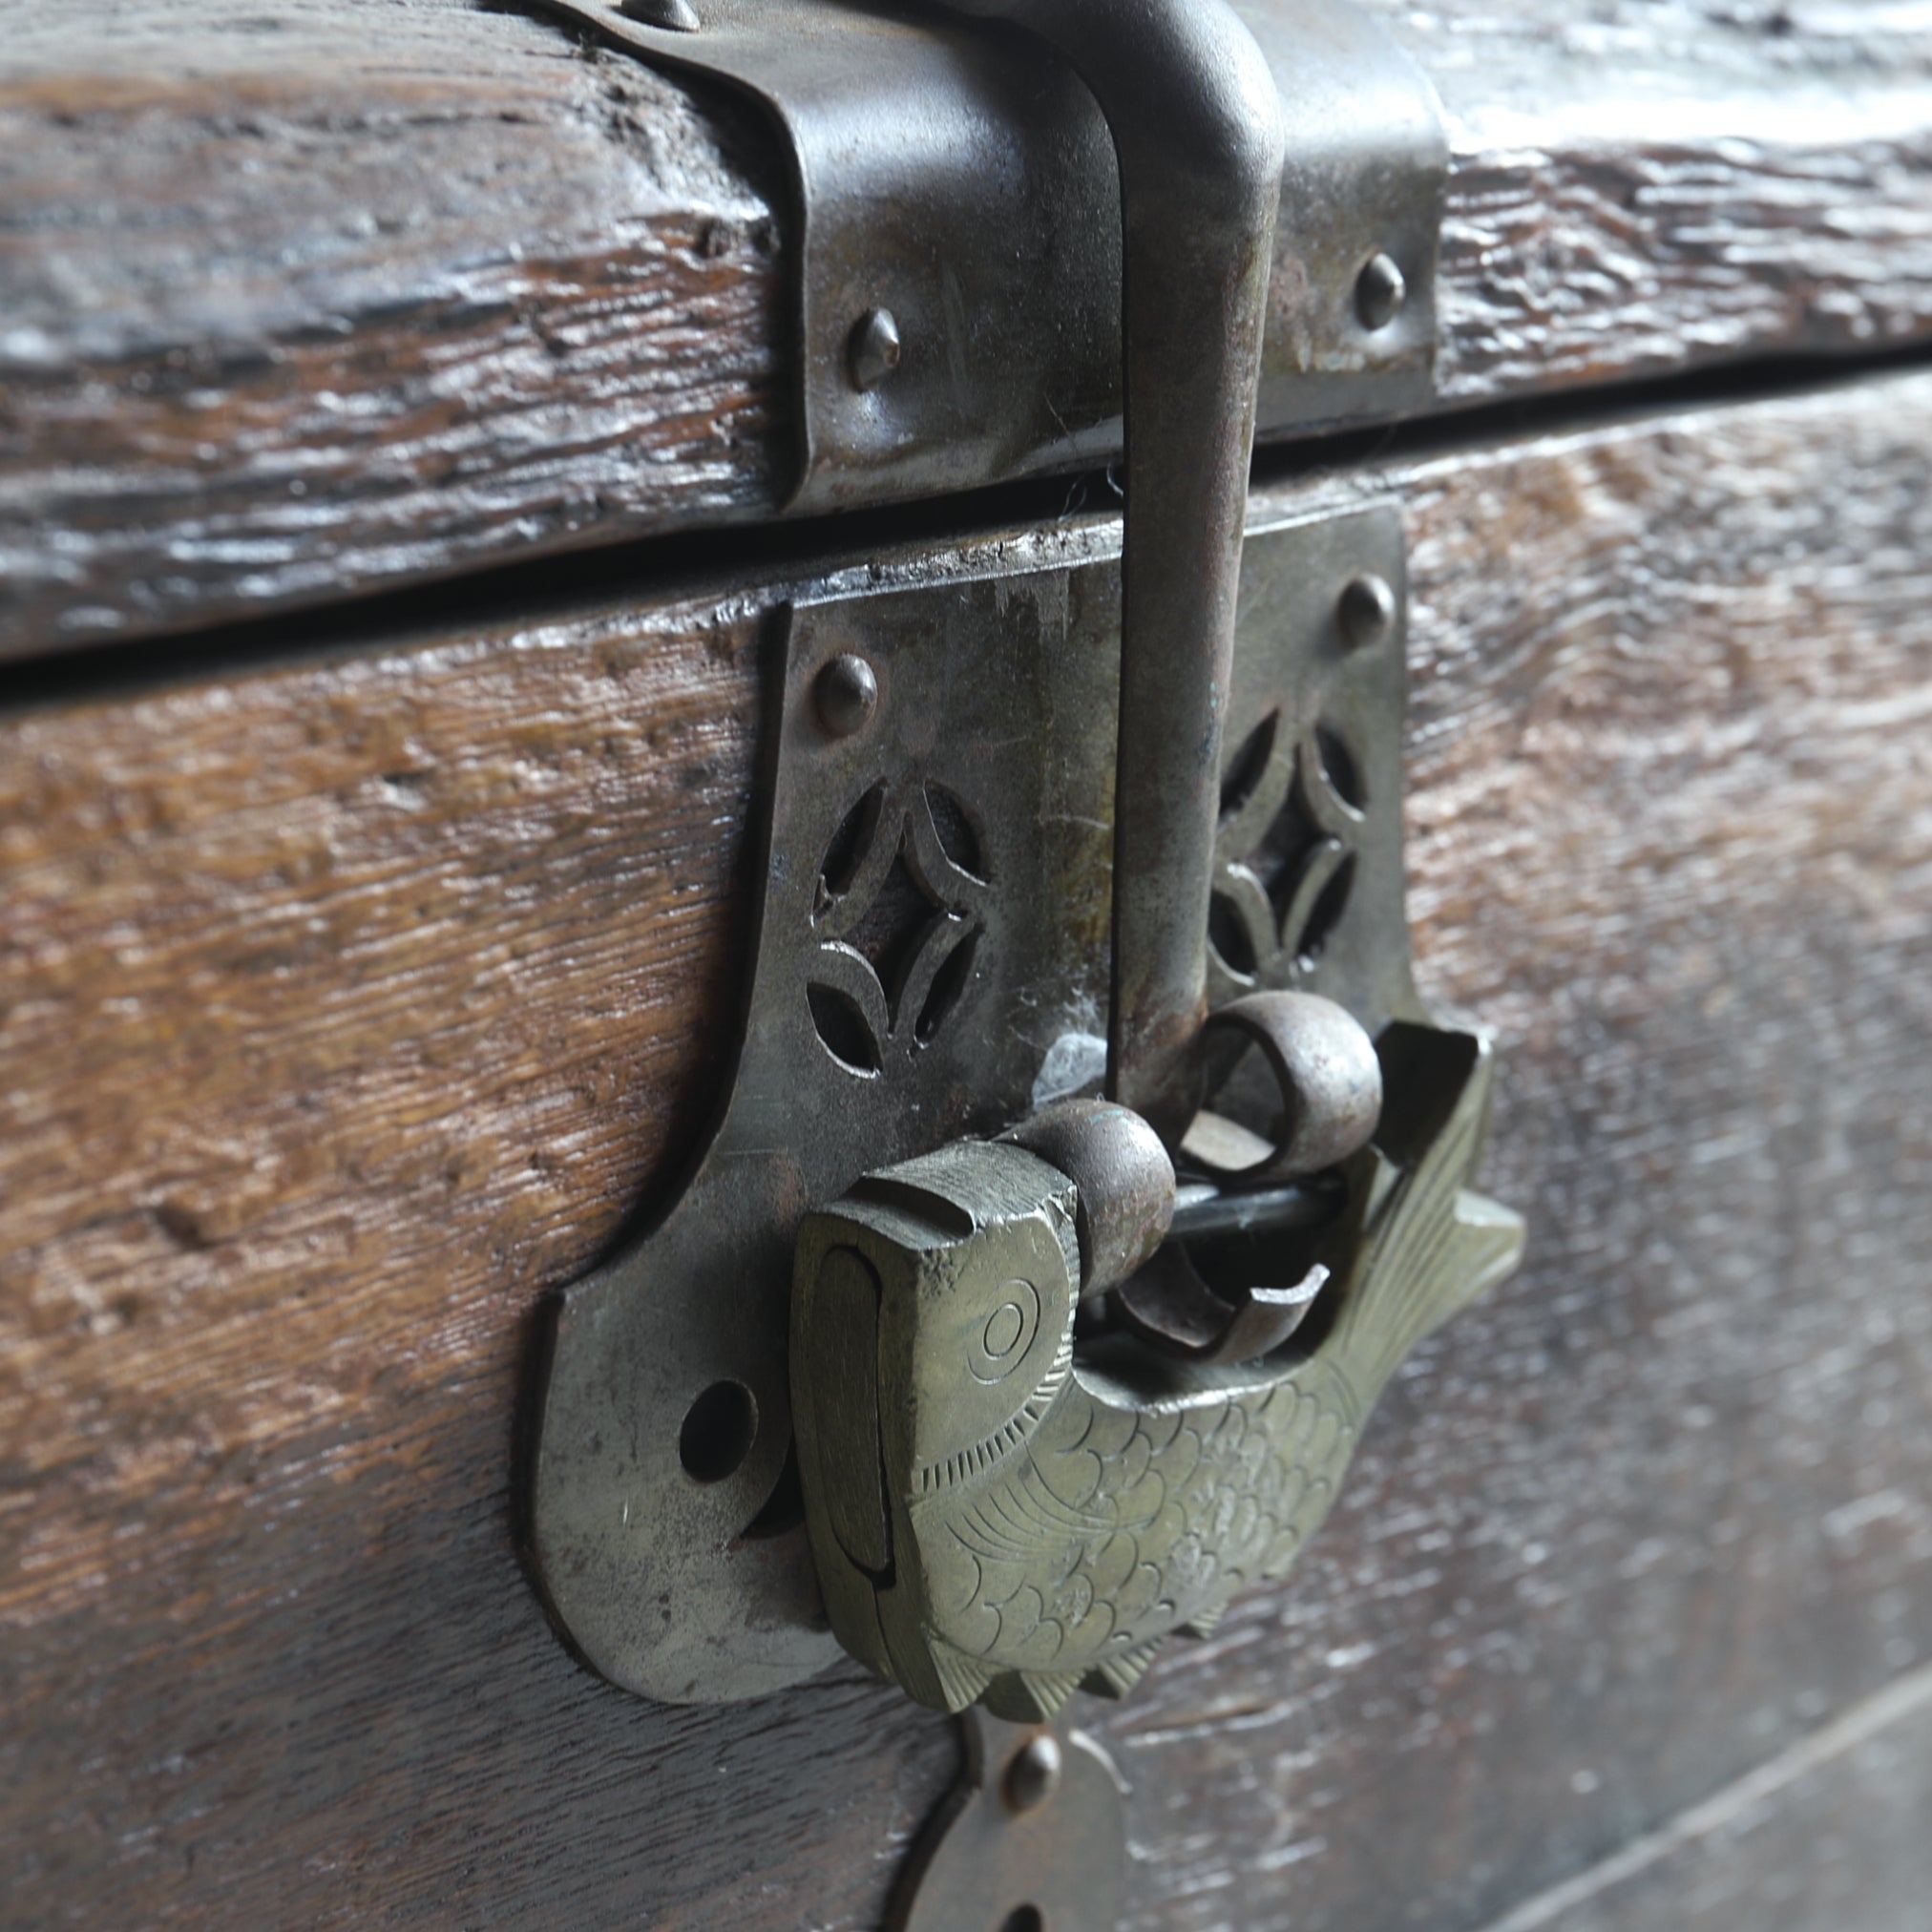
(358, 296)
(1661, 1503)
(1854, 1795)
(346, 1007)
(302, 307)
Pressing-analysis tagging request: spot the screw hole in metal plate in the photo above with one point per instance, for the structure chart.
(1023, 1919)
(720, 1428)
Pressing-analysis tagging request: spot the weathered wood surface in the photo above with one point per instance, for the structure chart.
(1854, 1795)
(346, 1005)
(379, 290)
(1666, 1501)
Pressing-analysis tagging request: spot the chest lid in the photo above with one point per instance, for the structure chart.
(387, 295)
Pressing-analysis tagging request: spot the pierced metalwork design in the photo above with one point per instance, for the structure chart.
(975, 798)
(1284, 850)
(898, 913)
(1008, 1539)
(1308, 852)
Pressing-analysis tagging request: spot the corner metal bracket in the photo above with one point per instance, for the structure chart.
(959, 232)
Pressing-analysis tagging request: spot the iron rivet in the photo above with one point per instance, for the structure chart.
(848, 695)
(1367, 610)
(674, 17)
(1379, 291)
(1034, 1774)
(872, 352)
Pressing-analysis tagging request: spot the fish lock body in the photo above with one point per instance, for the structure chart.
(931, 1335)
(995, 1517)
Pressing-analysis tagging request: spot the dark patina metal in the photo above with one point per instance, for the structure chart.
(934, 918)
(1327, 1097)
(873, 351)
(1381, 291)
(1125, 1177)
(916, 876)
(1197, 132)
(1367, 609)
(1004, 1504)
(932, 931)
(1306, 898)
(963, 180)
(1032, 1838)
(847, 694)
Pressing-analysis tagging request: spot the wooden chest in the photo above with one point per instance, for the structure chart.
(400, 403)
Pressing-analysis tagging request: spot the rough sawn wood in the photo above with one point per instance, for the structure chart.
(319, 302)
(346, 1007)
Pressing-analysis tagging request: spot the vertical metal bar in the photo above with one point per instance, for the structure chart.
(1197, 128)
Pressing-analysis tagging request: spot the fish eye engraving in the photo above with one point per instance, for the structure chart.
(1005, 1340)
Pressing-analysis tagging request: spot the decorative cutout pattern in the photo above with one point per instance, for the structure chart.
(1292, 815)
(898, 912)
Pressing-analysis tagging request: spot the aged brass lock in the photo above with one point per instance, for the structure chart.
(999, 1515)
(1090, 1160)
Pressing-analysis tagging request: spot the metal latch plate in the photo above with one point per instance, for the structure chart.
(931, 962)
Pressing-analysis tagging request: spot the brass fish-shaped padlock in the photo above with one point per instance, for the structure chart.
(998, 1513)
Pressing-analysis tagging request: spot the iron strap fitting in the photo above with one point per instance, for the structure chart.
(1091, 1160)
(957, 228)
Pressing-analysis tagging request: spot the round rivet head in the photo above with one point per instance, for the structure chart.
(674, 17)
(873, 349)
(847, 695)
(1379, 291)
(1367, 610)
(1033, 1776)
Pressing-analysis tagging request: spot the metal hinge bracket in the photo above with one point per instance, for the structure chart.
(958, 239)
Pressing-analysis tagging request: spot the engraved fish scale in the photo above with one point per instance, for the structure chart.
(1049, 1516)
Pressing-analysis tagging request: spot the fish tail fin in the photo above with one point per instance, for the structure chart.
(1430, 1245)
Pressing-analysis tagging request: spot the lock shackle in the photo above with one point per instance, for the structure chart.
(1198, 134)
